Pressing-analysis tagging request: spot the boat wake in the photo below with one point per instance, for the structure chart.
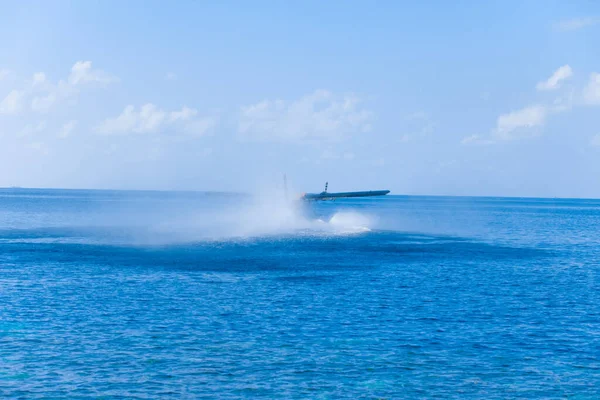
(265, 216)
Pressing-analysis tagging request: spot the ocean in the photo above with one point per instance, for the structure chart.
(116, 294)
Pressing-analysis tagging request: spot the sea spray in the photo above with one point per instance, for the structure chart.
(267, 213)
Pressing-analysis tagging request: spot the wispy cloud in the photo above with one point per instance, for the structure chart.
(555, 80)
(574, 24)
(47, 94)
(42, 95)
(39, 147)
(591, 92)
(595, 140)
(525, 122)
(82, 73)
(67, 129)
(151, 119)
(32, 129)
(477, 140)
(320, 115)
(12, 103)
(511, 125)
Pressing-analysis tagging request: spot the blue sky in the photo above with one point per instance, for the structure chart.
(457, 98)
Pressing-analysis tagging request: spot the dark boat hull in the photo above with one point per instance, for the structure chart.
(341, 195)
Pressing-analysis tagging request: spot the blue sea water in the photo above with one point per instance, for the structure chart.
(107, 294)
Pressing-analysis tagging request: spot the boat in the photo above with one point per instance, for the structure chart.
(325, 195)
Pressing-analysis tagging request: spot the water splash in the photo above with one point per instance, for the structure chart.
(350, 222)
(266, 214)
(174, 220)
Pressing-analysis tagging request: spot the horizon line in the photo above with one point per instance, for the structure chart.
(3, 188)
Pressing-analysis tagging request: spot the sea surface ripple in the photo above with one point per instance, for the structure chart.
(163, 295)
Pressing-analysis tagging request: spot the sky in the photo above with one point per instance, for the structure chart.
(498, 98)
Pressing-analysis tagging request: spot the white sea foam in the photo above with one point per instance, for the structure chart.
(350, 221)
(268, 214)
(262, 215)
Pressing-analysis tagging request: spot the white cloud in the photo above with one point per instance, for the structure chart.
(508, 126)
(591, 93)
(200, 126)
(513, 125)
(183, 115)
(318, 116)
(554, 81)
(522, 123)
(67, 129)
(477, 140)
(170, 76)
(149, 119)
(564, 102)
(595, 141)
(4, 73)
(47, 94)
(31, 129)
(42, 94)
(12, 103)
(82, 73)
(470, 139)
(38, 78)
(574, 24)
(44, 103)
(39, 147)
